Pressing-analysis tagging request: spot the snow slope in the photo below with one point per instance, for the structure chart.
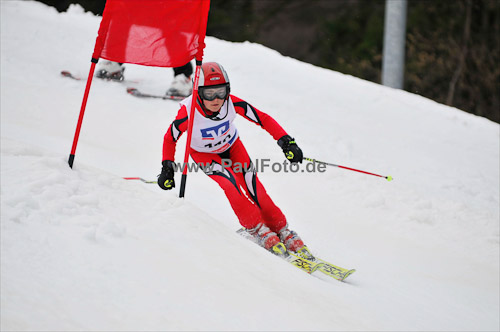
(83, 249)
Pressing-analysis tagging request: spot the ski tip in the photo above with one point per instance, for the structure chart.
(68, 74)
(348, 273)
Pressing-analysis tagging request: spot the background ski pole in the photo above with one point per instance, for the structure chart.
(145, 181)
(389, 178)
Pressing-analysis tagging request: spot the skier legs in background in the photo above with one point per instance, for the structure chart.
(181, 85)
(110, 70)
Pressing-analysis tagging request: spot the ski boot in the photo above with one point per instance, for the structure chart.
(110, 70)
(264, 236)
(181, 86)
(294, 243)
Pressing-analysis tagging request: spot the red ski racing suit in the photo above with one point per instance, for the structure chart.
(215, 139)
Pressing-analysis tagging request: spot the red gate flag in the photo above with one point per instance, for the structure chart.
(160, 33)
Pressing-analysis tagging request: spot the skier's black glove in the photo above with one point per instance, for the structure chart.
(291, 150)
(166, 178)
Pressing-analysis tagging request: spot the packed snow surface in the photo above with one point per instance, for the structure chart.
(84, 249)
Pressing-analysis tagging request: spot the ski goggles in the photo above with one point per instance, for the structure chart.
(210, 93)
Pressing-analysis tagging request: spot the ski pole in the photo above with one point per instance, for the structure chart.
(145, 181)
(389, 178)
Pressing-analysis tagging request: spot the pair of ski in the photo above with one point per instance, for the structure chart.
(305, 261)
(133, 91)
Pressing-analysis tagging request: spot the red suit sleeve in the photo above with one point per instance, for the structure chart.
(178, 126)
(258, 117)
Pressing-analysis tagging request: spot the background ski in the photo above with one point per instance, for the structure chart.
(137, 93)
(68, 74)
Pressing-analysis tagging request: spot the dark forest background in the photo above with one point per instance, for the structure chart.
(452, 46)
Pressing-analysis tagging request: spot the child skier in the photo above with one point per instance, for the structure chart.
(215, 143)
